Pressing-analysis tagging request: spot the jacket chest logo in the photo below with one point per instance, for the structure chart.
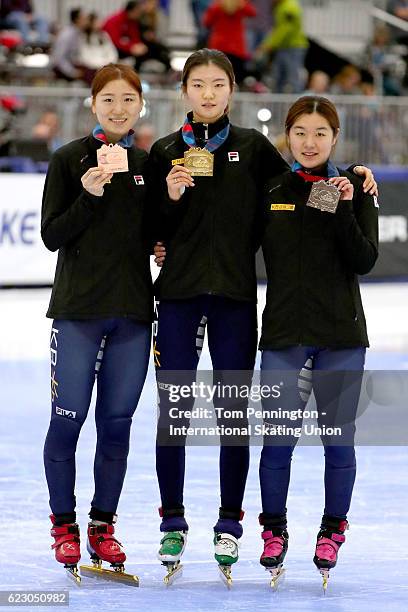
(290, 207)
(233, 156)
(139, 180)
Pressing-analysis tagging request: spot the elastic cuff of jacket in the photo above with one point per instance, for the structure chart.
(100, 515)
(272, 520)
(63, 519)
(169, 512)
(236, 515)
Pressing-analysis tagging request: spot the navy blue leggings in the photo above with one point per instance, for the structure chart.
(336, 379)
(119, 350)
(232, 340)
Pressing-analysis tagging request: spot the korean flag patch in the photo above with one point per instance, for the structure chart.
(233, 156)
(139, 179)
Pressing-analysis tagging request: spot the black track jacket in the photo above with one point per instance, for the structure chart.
(213, 231)
(103, 261)
(312, 261)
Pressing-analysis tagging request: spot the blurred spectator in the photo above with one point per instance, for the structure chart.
(67, 45)
(47, 129)
(385, 65)
(132, 38)
(288, 43)
(347, 81)
(225, 22)
(259, 26)
(153, 28)
(318, 84)
(399, 8)
(96, 48)
(198, 8)
(145, 135)
(19, 15)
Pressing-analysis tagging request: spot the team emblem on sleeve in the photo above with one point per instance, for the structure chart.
(139, 179)
(233, 156)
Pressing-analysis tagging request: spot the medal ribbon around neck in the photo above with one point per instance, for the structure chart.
(212, 143)
(331, 171)
(126, 141)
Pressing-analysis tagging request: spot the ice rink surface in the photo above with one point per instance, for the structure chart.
(372, 572)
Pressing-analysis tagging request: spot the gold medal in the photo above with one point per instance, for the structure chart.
(199, 161)
(325, 196)
(112, 158)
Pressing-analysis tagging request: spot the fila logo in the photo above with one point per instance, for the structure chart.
(66, 413)
(233, 156)
(139, 179)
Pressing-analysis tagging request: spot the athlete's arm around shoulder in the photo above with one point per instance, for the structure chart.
(267, 158)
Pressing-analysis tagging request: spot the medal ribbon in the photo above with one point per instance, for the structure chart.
(331, 171)
(126, 141)
(212, 143)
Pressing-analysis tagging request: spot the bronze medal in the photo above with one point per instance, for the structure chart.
(199, 161)
(112, 158)
(325, 196)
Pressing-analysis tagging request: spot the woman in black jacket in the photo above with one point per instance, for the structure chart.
(212, 227)
(313, 326)
(101, 304)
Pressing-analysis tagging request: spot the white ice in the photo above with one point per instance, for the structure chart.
(372, 572)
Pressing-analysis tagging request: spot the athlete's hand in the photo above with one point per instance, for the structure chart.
(369, 184)
(159, 253)
(344, 186)
(94, 181)
(177, 180)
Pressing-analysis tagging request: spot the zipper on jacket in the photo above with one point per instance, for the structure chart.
(205, 131)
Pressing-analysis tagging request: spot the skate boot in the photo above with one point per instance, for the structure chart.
(67, 547)
(275, 549)
(172, 546)
(329, 539)
(103, 546)
(226, 554)
(174, 530)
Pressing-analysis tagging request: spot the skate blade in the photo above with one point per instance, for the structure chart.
(278, 575)
(96, 571)
(73, 574)
(174, 571)
(325, 575)
(225, 575)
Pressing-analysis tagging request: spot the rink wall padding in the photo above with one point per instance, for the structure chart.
(25, 261)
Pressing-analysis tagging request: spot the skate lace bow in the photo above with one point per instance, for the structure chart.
(225, 543)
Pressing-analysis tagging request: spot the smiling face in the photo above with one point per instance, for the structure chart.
(208, 92)
(311, 140)
(117, 107)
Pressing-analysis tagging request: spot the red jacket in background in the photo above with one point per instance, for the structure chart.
(227, 32)
(123, 31)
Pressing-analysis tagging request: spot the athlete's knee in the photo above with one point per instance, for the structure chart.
(113, 437)
(62, 439)
(340, 456)
(276, 457)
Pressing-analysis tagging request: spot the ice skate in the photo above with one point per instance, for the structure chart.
(103, 546)
(67, 547)
(226, 554)
(275, 549)
(172, 546)
(329, 539)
